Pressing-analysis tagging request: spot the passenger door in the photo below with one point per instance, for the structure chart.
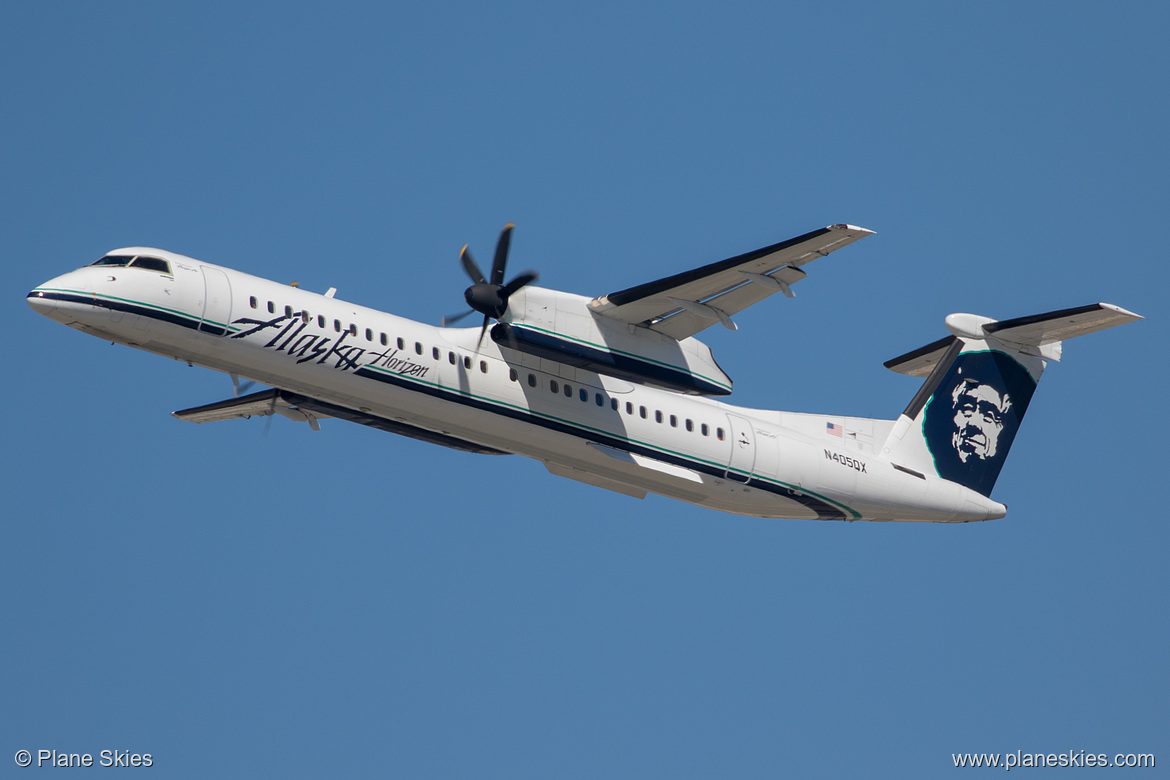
(217, 301)
(743, 449)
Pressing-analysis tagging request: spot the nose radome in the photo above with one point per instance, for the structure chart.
(61, 292)
(40, 303)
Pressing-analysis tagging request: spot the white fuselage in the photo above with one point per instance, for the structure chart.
(587, 426)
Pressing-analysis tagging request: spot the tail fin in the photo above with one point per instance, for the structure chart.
(963, 420)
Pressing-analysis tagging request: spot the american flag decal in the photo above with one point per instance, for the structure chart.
(834, 430)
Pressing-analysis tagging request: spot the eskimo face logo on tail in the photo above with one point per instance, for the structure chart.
(979, 414)
(973, 415)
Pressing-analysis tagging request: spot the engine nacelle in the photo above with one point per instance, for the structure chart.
(560, 326)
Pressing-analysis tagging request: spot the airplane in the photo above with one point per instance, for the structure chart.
(613, 391)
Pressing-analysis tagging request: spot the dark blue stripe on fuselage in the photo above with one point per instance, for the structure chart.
(173, 318)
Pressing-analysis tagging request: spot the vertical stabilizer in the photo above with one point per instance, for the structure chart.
(979, 383)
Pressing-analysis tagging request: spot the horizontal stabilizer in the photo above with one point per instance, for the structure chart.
(1039, 335)
(1041, 329)
(921, 361)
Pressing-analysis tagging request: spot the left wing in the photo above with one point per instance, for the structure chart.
(684, 304)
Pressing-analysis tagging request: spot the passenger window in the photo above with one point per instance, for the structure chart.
(305, 317)
(613, 402)
(583, 394)
(288, 312)
(512, 374)
(418, 347)
(252, 301)
(271, 308)
(466, 362)
(532, 380)
(483, 366)
(435, 353)
(369, 334)
(321, 320)
(600, 401)
(719, 434)
(629, 408)
(568, 391)
(401, 343)
(642, 412)
(384, 340)
(451, 358)
(553, 386)
(657, 415)
(703, 429)
(337, 325)
(352, 329)
(690, 426)
(673, 421)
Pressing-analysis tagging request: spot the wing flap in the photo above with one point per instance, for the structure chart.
(753, 290)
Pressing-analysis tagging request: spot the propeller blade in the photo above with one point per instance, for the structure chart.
(482, 330)
(470, 267)
(501, 258)
(446, 321)
(268, 417)
(526, 278)
(240, 387)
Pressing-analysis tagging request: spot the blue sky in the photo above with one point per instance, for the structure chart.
(350, 602)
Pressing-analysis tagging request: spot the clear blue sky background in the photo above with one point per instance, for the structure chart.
(354, 603)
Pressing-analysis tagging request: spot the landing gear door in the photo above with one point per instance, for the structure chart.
(743, 449)
(217, 301)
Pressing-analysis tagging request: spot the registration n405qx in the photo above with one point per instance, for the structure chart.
(614, 391)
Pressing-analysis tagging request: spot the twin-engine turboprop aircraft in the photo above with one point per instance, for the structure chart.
(612, 391)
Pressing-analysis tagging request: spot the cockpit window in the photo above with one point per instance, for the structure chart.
(120, 261)
(141, 261)
(151, 264)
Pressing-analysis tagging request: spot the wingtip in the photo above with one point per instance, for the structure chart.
(1124, 312)
(852, 228)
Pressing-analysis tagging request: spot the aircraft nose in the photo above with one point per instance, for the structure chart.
(41, 302)
(59, 293)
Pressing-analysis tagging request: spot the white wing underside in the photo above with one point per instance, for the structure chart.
(684, 304)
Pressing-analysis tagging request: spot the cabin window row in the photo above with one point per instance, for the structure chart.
(382, 338)
(565, 388)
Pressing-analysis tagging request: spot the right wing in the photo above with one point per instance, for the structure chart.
(684, 304)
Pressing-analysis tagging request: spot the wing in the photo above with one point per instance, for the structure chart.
(686, 303)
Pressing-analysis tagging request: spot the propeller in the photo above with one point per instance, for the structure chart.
(238, 387)
(490, 297)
